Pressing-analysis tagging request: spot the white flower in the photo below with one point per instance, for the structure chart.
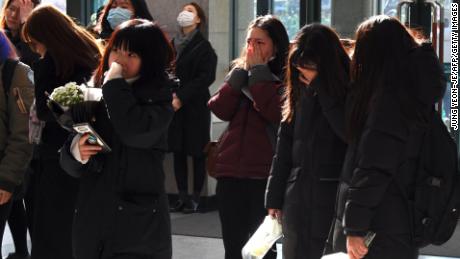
(69, 94)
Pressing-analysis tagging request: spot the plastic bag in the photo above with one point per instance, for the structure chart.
(336, 256)
(263, 239)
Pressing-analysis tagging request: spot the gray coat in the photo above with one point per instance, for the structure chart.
(15, 149)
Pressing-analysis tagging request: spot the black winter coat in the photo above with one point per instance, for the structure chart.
(305, 172)
(369, 198)
(122, 206)
(196, 69)
(53, 135)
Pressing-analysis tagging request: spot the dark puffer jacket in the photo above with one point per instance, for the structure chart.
(122, 206)
(369, 198)
(305, 172)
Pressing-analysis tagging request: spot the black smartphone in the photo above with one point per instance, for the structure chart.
(368, 238)
(94, 138)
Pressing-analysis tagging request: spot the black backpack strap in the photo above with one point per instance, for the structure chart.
(9, 66)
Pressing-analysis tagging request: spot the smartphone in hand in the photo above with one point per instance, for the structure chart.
(94, 138)
(368, 238)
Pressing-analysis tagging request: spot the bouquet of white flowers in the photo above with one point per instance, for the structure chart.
(73, 103)
(66, 95)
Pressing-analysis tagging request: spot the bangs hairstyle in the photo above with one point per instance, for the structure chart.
(148, 41)
(277, 33)
(317, 47)
(7, 4)
(69, 45)
(379, 61)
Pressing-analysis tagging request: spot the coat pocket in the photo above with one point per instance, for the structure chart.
(324, 197)
(136, 227)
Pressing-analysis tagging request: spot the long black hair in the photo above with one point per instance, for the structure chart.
(277, 33)
(317, 45)
(379, 64)
(148, 41)
(141, 11)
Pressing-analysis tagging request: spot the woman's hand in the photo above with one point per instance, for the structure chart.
(275, 214)
(115, 71)
(26, 7)
(307, 75)
(254, 56)
(5, 197)
(87, 150)
(176, 103)
(355, 247)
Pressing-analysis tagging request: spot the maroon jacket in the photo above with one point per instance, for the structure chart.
(245, 150)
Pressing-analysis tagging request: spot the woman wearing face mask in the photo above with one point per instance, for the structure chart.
(189, 132)
(68, 54)
(119, 11)
(122, 209)
(303, 180)
(250, 100)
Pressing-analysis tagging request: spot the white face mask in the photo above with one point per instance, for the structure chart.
(186, 19)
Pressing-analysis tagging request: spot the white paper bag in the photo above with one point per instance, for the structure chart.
(263, 239)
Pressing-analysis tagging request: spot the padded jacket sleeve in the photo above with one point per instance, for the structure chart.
(224, 104)
(138, 125)
(281, 167)
(380, 152)
(333, 108)
(266, 91)
(73, 167)
(14, 128)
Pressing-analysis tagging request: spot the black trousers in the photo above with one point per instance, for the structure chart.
(18, 226)
(55, 194)
(4, 213)
(21, 215)
(181, 172)
(241, 211)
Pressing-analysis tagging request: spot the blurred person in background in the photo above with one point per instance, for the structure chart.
(189, 132)
(116, 12)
